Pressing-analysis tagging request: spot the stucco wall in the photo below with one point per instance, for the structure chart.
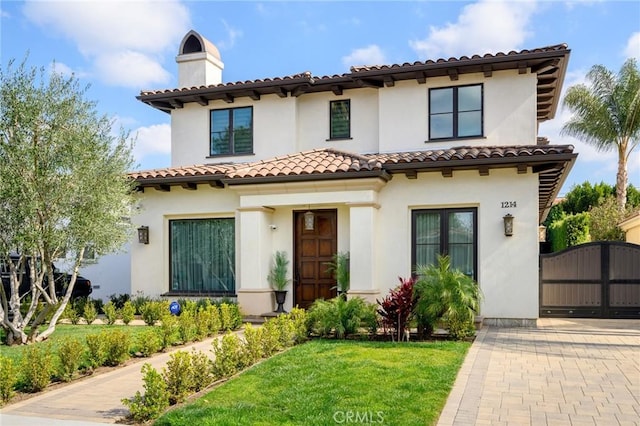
(507, 266)
(150, 262)
(382, 120)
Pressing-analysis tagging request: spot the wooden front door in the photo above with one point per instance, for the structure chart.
(313, 249)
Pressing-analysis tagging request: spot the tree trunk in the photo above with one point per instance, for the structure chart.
(621, 178)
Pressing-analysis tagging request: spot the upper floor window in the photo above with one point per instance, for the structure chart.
(455, 112)
(340, 121)
(232, 131)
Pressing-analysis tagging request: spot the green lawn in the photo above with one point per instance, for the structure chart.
(66, 330)
(330, 382)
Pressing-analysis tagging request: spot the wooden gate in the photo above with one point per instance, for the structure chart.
(594, 280)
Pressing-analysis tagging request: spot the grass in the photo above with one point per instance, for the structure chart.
(64, 331)
(324, 382)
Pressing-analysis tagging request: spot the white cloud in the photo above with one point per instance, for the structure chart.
(65, 70)
(370, 55)
(232, 35)
(116, 29)
(151, 140)
(483, 27)
(633, 46)
(130, 69)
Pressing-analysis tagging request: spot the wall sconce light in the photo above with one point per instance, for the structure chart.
(508, 225)
(309, 221)
(143, 235)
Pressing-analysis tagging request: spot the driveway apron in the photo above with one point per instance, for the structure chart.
(564, 372)
(94, 399)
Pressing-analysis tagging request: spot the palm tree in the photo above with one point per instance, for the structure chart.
(607, 115)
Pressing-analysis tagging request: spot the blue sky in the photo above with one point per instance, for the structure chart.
(121, 48)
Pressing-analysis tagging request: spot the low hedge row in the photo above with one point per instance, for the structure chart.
(39, 364)
(187, 373)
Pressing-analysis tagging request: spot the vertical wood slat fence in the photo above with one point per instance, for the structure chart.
(594, 280)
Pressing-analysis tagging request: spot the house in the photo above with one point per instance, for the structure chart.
(631, 227)
(392, 163)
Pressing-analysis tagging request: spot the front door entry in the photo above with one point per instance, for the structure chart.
(313, 249)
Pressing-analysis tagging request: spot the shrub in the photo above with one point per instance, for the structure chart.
(79, 304)
(119, 300)
(226, 317)
(36, 367)
(95, 349)
(299, 318)
(179, 376)
(397, 308)
(270, 338)
(201, 324)
(139, 300)
(110, 312)
(71, 314)
(90, 314)
(148, 342)
(8, 379)
(70, 352)
(447, 295)
(285, 331)
(228, 356)
(338, 316)
(168, 330)
(213, 319)
(155, 399)
(201, 365)
(187, 326)
(98, 304)
(152, 312)
(116, 347)
(253, 343)
(127, 312)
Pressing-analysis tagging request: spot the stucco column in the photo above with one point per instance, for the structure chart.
(362, 251)
(253, 254)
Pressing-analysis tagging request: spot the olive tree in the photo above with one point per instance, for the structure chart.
(63, 187)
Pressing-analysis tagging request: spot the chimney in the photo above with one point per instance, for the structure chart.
(198, 61)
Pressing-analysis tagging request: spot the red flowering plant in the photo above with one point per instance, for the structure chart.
(397, 308)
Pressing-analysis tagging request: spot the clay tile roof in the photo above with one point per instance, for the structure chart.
(178, 172)
(551, 162)
(315, 162)
(549, 63)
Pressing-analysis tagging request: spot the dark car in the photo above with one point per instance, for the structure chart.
(82, 288)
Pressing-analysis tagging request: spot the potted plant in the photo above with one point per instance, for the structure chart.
(278, 278)
(339, 267)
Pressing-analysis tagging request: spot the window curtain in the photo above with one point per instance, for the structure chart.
(427, 229)
(446, 231)
(460, 247)
(203, 255)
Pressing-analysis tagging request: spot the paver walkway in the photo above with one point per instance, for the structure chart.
(565, 372)
(94, 399)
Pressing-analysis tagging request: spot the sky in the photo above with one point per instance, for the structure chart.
(120, 48)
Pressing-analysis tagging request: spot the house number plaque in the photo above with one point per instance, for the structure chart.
(508, 204)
